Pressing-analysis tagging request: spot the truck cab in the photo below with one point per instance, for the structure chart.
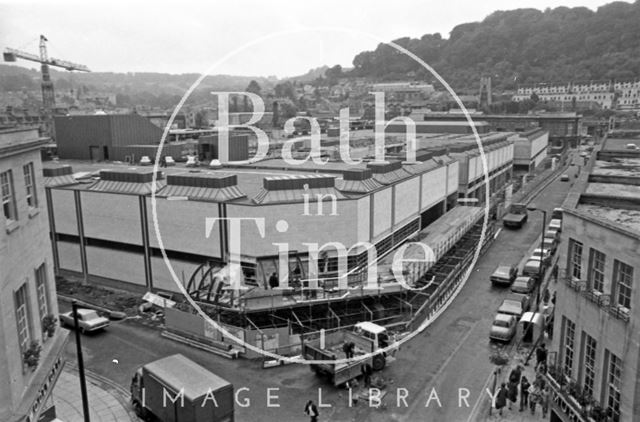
(377, 333)
(516, 217)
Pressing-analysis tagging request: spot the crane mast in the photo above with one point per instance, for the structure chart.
(48, 95)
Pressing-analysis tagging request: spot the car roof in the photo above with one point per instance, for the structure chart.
(515, 296)
(504, 267)
(522, 279)
(84, 311)
(503, 317)
(371, 327)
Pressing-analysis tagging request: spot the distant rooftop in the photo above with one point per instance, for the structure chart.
(611, 190)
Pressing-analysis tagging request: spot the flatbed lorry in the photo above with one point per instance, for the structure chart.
(176, 389)
(367, 337)
(516, 217)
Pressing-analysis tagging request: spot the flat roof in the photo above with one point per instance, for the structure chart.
(614, 144)
(629, 167)
(178, 372)
(621, 216)
(619, 190)
(611, 192)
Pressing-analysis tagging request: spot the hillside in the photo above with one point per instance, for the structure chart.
(521, 46)
(132, 88)
(514, 47)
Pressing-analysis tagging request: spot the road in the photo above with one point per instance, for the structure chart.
(452, 354)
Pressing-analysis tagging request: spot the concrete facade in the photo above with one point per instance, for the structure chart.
(115, 227)
(597, 324)
(27, 284)
(530, 148)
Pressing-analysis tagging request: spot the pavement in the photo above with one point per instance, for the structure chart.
(106, 403)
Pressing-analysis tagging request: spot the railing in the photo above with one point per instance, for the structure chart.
(600, 299)
(597, 297)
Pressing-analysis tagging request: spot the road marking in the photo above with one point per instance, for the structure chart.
(444, 365)
(480, 398)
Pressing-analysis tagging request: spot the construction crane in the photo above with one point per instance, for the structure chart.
(48, 97)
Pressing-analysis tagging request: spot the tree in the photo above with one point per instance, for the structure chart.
(333, 74)
(253, 87)
(285, 90)
(534, 97)
(287, 109)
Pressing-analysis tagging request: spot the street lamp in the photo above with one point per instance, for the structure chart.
(532, 207)
(83, 383)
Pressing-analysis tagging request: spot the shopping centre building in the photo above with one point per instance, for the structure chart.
(102, 216)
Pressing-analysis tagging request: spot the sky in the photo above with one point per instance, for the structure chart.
(237, 37)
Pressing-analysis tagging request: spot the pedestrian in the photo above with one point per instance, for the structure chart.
(515, 374)
(541, 354)
(534, 393)
(501, 398)
(524, 393)
(544, 400)
(273, 281)
(546, 296)
(348, 348)
(367, 371)
(163, 161)
(541, 370)
(311, 410)
(512, 390)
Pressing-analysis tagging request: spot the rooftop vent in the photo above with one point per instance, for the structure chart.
(378, 168)
(203, 180)
(57, 171)
(298, 182)
(358, 174)
(132, 175)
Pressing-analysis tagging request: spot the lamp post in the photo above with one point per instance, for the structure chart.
(83, 384)
(540, 269)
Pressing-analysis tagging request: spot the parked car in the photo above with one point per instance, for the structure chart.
(145, 161)
(555, 224)
(552, 234)
(515, 304)
(192, 161)
(504, 274)
(523, 284)
(88, 320)
(503, 327)
(532, 268)
(556, 214)
(169, 161)
(546, 256)
(550, 244)
(564, 178)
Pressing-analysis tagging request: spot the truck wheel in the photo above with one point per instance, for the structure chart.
(139, 410)
(378, 362)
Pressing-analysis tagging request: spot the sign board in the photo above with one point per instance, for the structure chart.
(158, 300)
(562, 407)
